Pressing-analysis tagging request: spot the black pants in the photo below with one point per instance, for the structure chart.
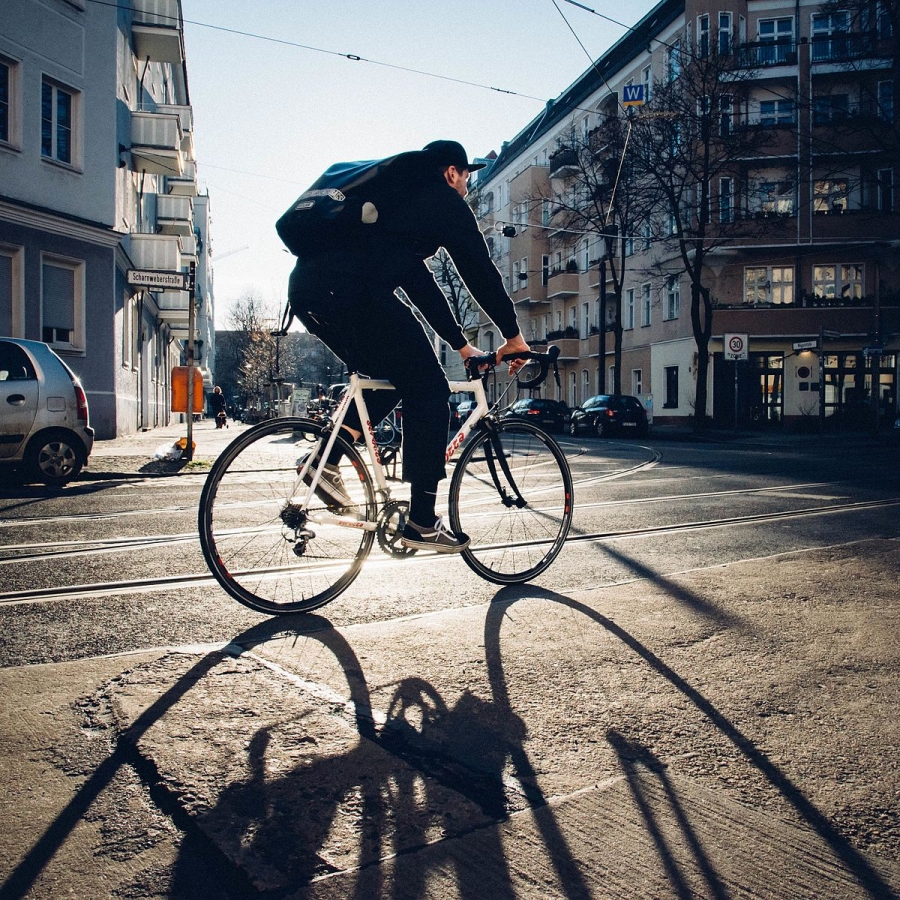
(376, 334)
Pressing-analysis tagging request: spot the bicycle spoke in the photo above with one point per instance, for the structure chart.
(260, 544)
(512, 540)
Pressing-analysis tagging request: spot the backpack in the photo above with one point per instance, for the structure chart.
(337, 207)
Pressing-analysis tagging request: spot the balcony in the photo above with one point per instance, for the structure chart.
(562, 284)
(186, 118)
(175, 214)
(156, 143)
(174, 307)
(156, 31)
(184, 185)
(155, 251)
(189, 249)
(564, 163)
(846, 46)
(766, 54)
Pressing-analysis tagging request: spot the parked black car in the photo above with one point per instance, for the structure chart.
(552, 415)
(605, 415)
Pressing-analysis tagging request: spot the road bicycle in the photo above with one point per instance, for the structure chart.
(275, 547)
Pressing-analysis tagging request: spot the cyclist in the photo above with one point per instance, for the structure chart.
(346, 296)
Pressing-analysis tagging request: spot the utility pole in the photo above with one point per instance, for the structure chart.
(189, 450)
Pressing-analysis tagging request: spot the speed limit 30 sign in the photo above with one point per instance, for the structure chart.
(736, 346)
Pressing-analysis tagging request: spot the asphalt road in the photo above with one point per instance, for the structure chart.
(723, 613)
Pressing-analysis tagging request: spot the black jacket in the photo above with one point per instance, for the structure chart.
(418, 213)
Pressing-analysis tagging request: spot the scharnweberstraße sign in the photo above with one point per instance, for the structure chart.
(161, 280)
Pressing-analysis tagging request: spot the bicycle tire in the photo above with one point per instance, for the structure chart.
(249, 514)
(512, 543)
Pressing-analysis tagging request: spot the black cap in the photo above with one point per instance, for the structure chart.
(451, 153)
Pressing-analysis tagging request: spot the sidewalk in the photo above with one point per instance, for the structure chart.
(134, 454)
(707, 735)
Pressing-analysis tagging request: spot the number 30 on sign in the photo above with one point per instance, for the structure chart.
(735, 346)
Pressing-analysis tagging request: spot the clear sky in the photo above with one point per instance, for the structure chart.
(270, 116)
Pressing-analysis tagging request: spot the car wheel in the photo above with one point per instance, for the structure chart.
(54, 457)
(600, 427)
(572, 429)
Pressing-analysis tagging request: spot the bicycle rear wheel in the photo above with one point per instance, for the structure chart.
(511, 494)
(260, 544)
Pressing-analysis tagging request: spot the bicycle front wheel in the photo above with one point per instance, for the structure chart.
(262, 544)
(511, 494)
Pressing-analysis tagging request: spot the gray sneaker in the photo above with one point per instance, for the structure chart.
(438, 538)
(330, 489)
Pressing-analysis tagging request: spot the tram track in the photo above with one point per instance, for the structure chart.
(47, 550)
(179, 582)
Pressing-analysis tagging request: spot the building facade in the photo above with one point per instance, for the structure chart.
(796, 221)
(97, 178)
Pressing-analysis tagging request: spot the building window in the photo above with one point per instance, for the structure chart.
(703, 36)
(671, 395)
(545, 213)
(5, 102)
(673, 298)
(776, 37)
(830, 196)
(646, 305)
(772, 284)
(545, 269)
(886, 190)
(57, 123)
(830, 36)
(515, 279)
(673, 61)
(886, 100)
(637, 382)
(830, 108)
(647, 80)
(629, 309)
(573, 390)
(647, 234)
(586, 320)
(726, 200)
(12, 298)
(726, 31)
(443, 354)
(62, 303)
(726, 115)
(776, 198)
(838, 281)
(489, 340)
(883, 26)
(585, 383)
(523, 273)
(776, 112)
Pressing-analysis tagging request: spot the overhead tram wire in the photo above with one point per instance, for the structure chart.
(352, 57)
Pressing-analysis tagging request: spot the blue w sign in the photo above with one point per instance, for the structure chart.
(633, 95)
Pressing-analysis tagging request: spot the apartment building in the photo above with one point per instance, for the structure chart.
(97, 178)
(796, 224)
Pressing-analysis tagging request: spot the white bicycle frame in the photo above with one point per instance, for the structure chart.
(354, 394)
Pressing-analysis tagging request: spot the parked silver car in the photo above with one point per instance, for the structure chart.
(44, 428)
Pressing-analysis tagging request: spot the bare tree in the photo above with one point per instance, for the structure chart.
(686, 145)
(457, 294)
(599, 198)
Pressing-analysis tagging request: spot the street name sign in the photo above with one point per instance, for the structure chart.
(806, 345)
(159, 280)
(736, 346)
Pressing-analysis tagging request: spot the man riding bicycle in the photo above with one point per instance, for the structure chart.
(345, 295)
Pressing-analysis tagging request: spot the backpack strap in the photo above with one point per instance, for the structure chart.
(286, 318)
